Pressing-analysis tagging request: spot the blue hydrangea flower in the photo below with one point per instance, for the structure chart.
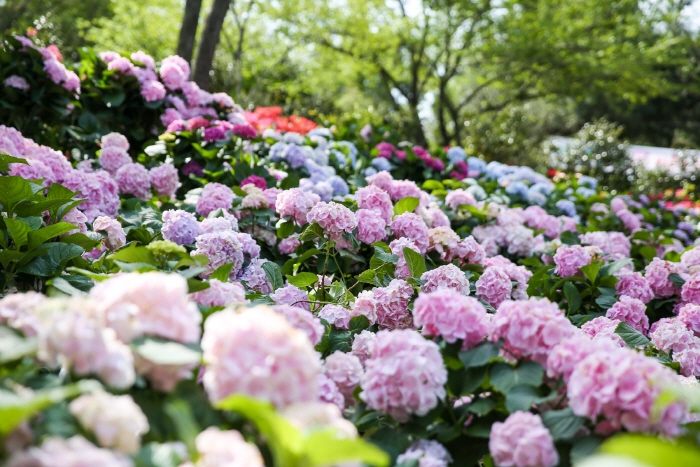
(566, 207)
(589, 182)
(517, 189)
(476, 164)
(295, 156)
(456, 154)
(340, 187)
(585, 191)
(380, 164)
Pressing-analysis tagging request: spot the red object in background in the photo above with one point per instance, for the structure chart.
(267, 117)
(551, 173)
(31, 32)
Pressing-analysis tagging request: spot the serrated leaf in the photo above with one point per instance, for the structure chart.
(222, 273)
(6, 160)
(303, 279)
(479, 355)
(415, 262)
(591, 271)
(134, 254)
(311, 232)
(18, 230)
(37, 237)
(611, 269)
(573, 298)
(562, 424)
(407, 204)
(504, 377)
(55, 257)
(605, 301)
(14, 190)
(522, 397)
(631, 336)
(358, 323)
(677, 280)
(284, 229)
(274, 274)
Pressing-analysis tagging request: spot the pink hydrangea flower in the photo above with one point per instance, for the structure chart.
(174, 71)
(116, 237)
(397, 246)
(689, 314)
(216, 224)
(459, 197)
(530, 328)
(219, 448)
(631, 311)
(257, 352)
(624, 386)
(657, 273)
(689, 360)
(629, 219)
(468, 250)
(113, 158)
(452, 316)
(335, 219)
(221, 247)
(362, 345)
(374, 198)
(371, 226)
(336, 315)
(569, 259)
(564, 357)
(254, 276)
(71, 452)
(603, 327)
(405, 375)
(522, 441)
(164, 179)
(288, 245)
(259, 182)
(690, 292)
(214, 196)
(448, 276)
(220, 294)
(116, 140)
(691, 258)
(636, 286)
(291, 295)
(494, 286)
(133, 179)
(671, 334)
(391, 305)
(296, 204)
(381, 179)
(411, 226)
(152, 91)
(443, 240)
(16, 82)
(180, 227)
(345, 370)
(302, 319)
(328, 392)
(400, 189)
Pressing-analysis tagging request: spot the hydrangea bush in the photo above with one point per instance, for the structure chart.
(248, 290)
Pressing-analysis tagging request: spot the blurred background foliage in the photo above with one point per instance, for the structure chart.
(495, 76)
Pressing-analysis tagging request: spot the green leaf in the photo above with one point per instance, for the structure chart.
(13, 346)
(311, 232)
(415, 262)
(464, 382)
(66, 287)
(647, 252)
(584, 446)
(481, 406)
(433, 185)
(562, 424)
(631, 336)
(158, 455)
(134, 254)
(573, 298)
(522, 397)
(653, 451)
(9, 256)
(87, 241)
(194, 285)
(284, 229)
(677, 280)
(14, 190)
(504, 377)
(55, 258)
(222, 273)
(605, 301)
(324, 447)
(611, 269)
(16, 409)
(274, 274)
(18, 230)
(591, 271)
(302, 279)
(187, 429)
(358, 323)
(37, 237)
(479, 355)
(407, 204)
(569, 238)
(6, 160)
(92, 275)
(165, 352)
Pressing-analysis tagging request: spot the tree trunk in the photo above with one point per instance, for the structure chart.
(188, 31)
(210, 39)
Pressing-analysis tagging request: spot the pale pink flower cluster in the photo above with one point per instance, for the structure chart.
(221, 247)
(165, 180)
(16, 82)
(603, 327)
(218, 448)
(180, 227)
(671, 335)
(443, 240)
(71, 452)
(133, 179)
(519, 274)
(564, 357)
(303, 320)
(371, 226)
(631, 311)
(397, 246)
(468, 250)
(411, 226)
(427, 453)
(374, 198)
(634, 285)
(220, 294)
(537, 218)
(400, 189)
(690, 292)
(116, 237)
(335, 219)
(494, 286)
(405, 374)
(214, 196)
(691, 260)
(459, 197)
(452, 316)
(114, 153)
(623, 385)
(258, 353)
(296, 203)
(291, 295)
(530, 328)
(630, 220)
(570, 259)
(328, 392)
(288, 245)
(345, 370)
(689, 314)
(448, 276)
(362, 345)
(386, 306)
(116, 421)
(336, 315)
(657, 273)
(522, 441)
(614, 244)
